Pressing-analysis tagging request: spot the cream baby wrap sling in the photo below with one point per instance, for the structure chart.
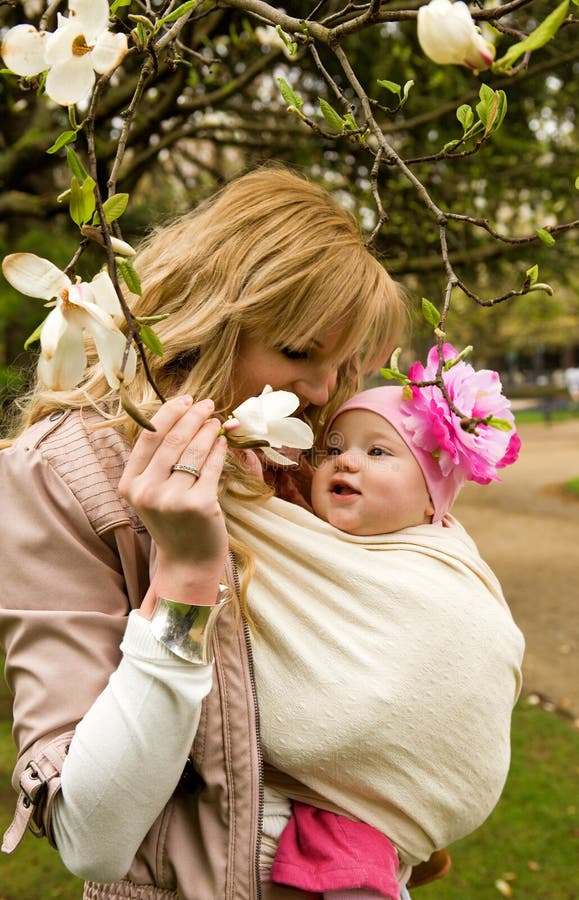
(386, 668)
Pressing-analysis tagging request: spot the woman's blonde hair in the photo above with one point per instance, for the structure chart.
(270, 256)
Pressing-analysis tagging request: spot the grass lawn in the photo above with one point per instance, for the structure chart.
(572, 486)
(523, 416)
(530, 843)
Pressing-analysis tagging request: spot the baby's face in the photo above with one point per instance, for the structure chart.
(369, 481)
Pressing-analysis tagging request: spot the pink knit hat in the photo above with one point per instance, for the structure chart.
(387, 402)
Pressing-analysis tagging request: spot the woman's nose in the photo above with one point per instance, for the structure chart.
(317, 390)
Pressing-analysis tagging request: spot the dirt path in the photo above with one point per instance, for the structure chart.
(528, 532)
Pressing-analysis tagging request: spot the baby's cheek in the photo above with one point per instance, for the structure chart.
(319, 481)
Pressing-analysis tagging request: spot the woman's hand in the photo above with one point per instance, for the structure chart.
(179, 509)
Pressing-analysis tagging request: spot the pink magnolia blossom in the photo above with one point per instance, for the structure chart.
(437, 430)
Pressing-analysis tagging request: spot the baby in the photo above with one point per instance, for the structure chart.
(408, 662)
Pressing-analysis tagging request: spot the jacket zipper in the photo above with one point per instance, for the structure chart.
(258, 737)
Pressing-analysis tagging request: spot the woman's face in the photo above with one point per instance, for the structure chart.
(311, 373)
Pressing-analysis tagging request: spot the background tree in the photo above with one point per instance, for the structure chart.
(202, 98)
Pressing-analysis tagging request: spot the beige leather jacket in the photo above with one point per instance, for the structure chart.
(74, 562)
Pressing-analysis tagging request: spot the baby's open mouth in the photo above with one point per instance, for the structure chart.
(343, 489)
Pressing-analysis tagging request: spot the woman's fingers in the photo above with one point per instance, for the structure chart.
(197, 456)
(176, 423)
(211, 468)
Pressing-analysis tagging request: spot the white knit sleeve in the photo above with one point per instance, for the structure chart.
(127, 755)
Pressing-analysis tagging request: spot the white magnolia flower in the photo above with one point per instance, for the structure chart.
(266, 418)
(80, 46)
(448, 35)
(92, 306)
(23, 50)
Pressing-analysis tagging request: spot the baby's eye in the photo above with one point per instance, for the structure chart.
(333, 451)
(294, 354)
(378, 451)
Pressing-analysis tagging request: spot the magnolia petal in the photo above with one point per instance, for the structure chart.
(60, 44)
(290, 433)
(278, 457)
(69, 82)
(92, 14)
(278, 404)
(34, 276)
(105, 296)
(110, 347)
(480, 54)
(109, 50)
(449, 36)
(250, 418)
(53, 329)
(23, 50)
(63, 359)
(86, 311)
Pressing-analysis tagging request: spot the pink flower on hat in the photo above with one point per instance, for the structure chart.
(437, 430)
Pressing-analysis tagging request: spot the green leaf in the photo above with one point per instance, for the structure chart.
(62, 140)
(450, 363)
(289, 95)
(82, 200)
(500, 111)
(35, 336)
(406, 90)
(350, 122)
(394, 359)
(177, 13)
(545, 236)
(536, 39)
(465, 116)
(130, 276)
(430, 312)
(499, 424)
(144, 21)
(88, 199)
(151, 340)
(395, 375)
(532, 274)
(115, 206)
(391, 86)
(333, 118)
(577, 179)
(492, 108)
(144, 320)
(117, 4)
(142, 34)
(291, 46)
(75, 164)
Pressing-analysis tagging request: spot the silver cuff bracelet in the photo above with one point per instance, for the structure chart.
(186, 630)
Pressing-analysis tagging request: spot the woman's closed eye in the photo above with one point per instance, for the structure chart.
(290, 353)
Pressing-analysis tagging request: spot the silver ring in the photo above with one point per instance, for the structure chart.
(183, 467)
